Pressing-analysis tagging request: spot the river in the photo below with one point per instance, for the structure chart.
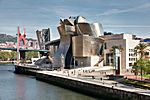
(22, 87)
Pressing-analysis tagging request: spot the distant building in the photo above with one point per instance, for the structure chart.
(128, 55)
(146, 40)
(8, 41)
(32, 44)
(43, 37)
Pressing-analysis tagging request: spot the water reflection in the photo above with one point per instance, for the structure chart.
(22, 87)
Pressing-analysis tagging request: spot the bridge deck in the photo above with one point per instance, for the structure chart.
(26, 50)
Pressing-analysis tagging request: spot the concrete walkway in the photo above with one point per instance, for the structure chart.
(96, 80)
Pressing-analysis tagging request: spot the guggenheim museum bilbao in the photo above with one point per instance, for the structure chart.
(84, 44)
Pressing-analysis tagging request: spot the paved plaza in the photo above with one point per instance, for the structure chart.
(97, 79)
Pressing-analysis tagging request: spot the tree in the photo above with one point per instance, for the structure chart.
(141, 66)
(4, 55)
(135, 68)
(13, 55)
(30, 55)
(141, 49)
(147, 67)
(1, 56)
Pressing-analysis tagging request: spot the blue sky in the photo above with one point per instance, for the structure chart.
(117, 16)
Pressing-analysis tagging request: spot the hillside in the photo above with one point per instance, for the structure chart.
(8, 38)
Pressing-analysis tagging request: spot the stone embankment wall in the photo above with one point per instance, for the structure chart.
(87, 87)
(91, 88)
(20, 69)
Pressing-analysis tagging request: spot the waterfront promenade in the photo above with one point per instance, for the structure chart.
(87, 82)
(97, 80)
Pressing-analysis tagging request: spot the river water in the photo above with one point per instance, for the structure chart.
(22, 87)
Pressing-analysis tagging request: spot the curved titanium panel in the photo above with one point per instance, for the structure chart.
(80, 19)
(84, 28)
(62, 51)
(97, 29)
(61, 30)
(66, 30)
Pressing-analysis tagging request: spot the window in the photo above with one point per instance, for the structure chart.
(129, 50)
(130, 64)
(146, 53)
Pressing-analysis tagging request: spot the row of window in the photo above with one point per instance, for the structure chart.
(132, 59)
(132, 54)
(131, 50)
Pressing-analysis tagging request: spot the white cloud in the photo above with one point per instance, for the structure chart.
(117, 11)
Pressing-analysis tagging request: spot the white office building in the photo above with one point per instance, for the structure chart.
(127, 56)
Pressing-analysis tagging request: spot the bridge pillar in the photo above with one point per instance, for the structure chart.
(22, 56)
(21, 38)
(21, 42)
